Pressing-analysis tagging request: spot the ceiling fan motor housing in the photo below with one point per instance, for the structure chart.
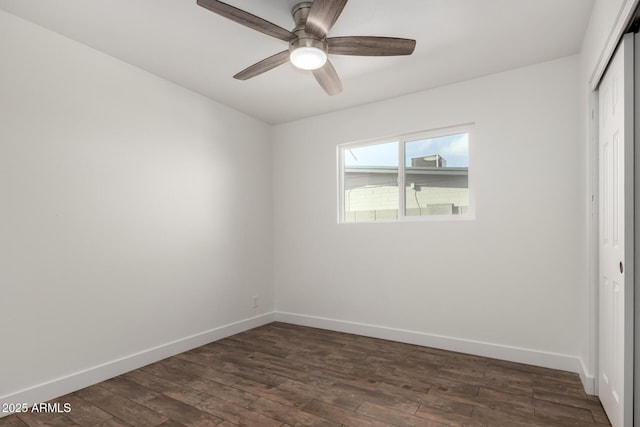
(300, 12)
(309, 41)
(306, 51)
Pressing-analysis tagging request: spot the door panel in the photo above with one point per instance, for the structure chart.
(615, 379)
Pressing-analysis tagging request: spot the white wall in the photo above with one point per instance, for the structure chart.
(504, 284)
(134, 220)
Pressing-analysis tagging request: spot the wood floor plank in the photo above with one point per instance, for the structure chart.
(564, 416)
(129, 389)
(203, 370)
(12, 421)
(166, 387)
(375, 396)
(84, 413)
(395, 417)
(452, 387)
(508, 407)
(553, 413)
(120, 407)
(114, 422)
(517, 403)
(282, 375)
(318, 390)
(497, 418)
(172, 423)
(341, 416)
(182, 413)
(189, 380)
(38, 419)
(223, 392)
(288, 415)
(559, 385)
(237, 414)
(593, 405)
(445, 411)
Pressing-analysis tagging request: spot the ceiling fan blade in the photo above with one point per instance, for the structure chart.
(263, 66)
(328, 79)
(322, 15)
(247, 19)
(370, 46)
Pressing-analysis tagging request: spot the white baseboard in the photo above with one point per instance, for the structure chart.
(61, 386)
(587, 378)
(497, 351)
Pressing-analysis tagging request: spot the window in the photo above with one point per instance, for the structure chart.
(432, 168)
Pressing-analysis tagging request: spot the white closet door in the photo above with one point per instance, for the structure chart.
(616, 115)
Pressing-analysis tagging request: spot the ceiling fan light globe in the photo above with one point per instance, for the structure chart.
(308, 57)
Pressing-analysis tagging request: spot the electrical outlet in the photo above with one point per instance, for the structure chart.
(255, 301)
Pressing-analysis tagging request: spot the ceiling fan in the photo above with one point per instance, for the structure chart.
(308, 41)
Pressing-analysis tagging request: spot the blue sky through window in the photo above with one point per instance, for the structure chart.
(372, 155)
(453, 148)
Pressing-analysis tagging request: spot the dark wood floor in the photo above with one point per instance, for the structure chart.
(285, 375)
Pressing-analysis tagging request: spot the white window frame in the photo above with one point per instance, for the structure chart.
(402, 140)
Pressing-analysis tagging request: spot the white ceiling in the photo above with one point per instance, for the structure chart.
(195, 48)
